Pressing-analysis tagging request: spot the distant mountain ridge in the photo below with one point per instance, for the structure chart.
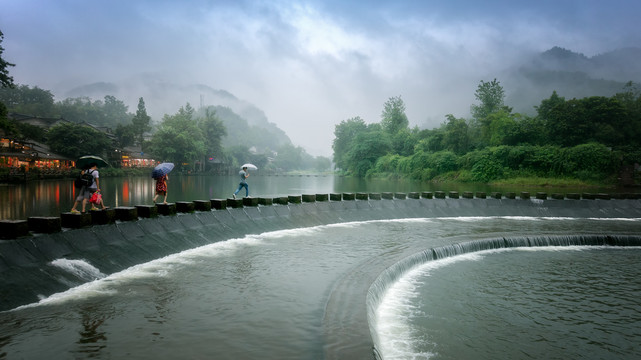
(571, 75)
(245, 123)
(618, 65)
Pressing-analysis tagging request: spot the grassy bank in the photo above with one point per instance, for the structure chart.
(464, 177)
(552, 182)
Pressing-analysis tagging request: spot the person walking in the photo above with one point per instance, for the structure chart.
(87, 190)
(244, 174)
(161, 187)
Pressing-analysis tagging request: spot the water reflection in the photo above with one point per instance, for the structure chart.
(51, 197)
(4, 341)
(92, 337)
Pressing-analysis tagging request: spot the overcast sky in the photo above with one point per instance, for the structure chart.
(307, 64)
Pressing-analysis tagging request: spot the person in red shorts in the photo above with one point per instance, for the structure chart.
(161, 187)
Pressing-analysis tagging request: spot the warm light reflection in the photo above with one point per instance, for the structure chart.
(125, 192)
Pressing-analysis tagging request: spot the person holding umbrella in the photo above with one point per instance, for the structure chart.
(161, 187)
(244, 174)
(86, 191)
(161, 174)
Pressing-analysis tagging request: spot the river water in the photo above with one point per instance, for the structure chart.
(52, 197)
(288, 294)
(523, 303)
(272, 296)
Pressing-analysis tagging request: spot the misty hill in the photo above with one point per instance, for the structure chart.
(571, 75)
(240, 132)
(246, 124)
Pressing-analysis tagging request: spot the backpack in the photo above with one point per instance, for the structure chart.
(84, 179)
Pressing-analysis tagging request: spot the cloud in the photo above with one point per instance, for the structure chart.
(307, 64)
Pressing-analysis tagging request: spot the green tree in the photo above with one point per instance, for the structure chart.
(344, 135)
(30, 132)
(7, 126)
(125, 134)
(115, 112)
(25, 100)
(456, 137)
(589, 161)
(393, 118)
(73, 141)
(491, 95)
(593, 119)
(631, 101)
(547, 106)
(141, 122)
(289, 157)
(81, 109)
(5, 79)
(501, 129)
(322, 163)
(530, 130)
(213, 131)
(431, 140)
(179, 139)
(108, 113)
(404, 141)
(367, 148)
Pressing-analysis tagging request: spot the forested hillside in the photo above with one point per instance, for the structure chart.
(194, 139)
(589, 139)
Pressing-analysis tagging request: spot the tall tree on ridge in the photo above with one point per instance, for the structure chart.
(141, 122)
(5, 81)
(393, 118)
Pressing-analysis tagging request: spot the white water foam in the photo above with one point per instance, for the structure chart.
(105, 285)
(395, 335)
(79, 268)
(161, 267)
(397, 306)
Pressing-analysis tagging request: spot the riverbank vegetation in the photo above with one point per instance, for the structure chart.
(211, 139)
(577, 142)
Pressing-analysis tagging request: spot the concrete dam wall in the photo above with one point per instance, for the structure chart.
(136, 237)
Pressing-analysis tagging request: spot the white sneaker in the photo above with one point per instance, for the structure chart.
(234, 195)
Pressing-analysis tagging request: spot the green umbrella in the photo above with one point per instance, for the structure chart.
(84, 161)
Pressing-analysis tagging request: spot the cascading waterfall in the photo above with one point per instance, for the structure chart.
(389, 276)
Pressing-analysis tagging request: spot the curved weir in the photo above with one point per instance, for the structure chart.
(394, 272)
(38, 266)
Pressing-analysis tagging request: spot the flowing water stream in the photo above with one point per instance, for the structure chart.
(292, 294)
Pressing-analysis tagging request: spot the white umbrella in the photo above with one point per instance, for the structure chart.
(249, 166)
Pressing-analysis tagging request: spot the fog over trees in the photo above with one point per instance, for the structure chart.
(589, 139)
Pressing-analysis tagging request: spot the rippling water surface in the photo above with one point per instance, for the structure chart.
(525, 303)
(271, 296)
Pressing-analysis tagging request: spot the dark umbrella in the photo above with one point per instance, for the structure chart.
(162, 169)
(84, 161)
